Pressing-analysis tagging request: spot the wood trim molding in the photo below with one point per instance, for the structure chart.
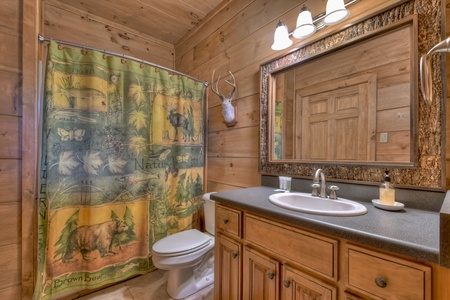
(30, 50)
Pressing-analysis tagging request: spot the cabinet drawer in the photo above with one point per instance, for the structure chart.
(313, 252)
(229, 220)
(387, 277)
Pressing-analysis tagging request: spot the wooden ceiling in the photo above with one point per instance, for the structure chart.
(166, 20)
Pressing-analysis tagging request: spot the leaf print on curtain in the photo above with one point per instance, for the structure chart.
(122, 166)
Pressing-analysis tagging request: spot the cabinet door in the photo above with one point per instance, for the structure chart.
(299, 286)
(228, 268)
(260, 276)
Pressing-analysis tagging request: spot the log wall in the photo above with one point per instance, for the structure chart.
(10, 148)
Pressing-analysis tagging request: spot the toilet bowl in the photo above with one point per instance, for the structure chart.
(188, 256)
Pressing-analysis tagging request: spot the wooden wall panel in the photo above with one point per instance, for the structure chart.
(10, 148)
(10, 44)
(66, 23)
(10, 15)
(10, 180)
(241, 142)
(10, 136)
(10, 265)
(14, 292)
(239, 172)
(10, 93)
(10, 219)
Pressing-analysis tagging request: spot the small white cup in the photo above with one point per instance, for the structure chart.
(285, 183)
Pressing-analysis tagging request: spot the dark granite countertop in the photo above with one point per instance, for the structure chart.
(410, 232)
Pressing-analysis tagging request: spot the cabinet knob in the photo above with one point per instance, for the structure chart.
(234, 254)
(286, 283)
(225, 221)
(381, 282)
(271, 275)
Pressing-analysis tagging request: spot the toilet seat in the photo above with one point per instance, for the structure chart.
(182, 243)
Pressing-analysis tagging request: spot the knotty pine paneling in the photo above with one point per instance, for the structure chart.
(137, 12)
(10, 219)
(10, 180)
(219, 187)
(66, 23)
(213, 21)
(10, 137)
(10, 44)
(235, 171)
(10, 265)
(10, 148)
(11, 15)
(230, 143)
(10, 93)
(14, 292)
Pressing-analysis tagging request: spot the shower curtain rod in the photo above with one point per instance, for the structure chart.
(44, 39)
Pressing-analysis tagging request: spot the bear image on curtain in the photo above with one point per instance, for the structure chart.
(88, 238)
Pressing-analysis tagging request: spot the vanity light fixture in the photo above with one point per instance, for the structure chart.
(335, 13)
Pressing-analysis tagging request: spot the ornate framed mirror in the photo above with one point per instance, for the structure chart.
(348, 103)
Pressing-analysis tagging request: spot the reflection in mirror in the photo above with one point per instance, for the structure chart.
(356, 104)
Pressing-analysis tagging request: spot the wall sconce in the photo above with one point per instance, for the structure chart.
(335, 13)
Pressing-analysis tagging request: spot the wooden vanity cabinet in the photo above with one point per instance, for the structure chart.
(258, 258)
(228, 268)
(228, 254)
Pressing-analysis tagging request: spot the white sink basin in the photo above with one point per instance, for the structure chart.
(314, 205)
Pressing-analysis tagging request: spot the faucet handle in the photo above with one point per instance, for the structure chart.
(333, 189)
(315, 191)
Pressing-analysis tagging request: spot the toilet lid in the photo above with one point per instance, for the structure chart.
(180, 243)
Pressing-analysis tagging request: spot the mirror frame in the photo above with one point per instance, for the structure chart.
(428, 170)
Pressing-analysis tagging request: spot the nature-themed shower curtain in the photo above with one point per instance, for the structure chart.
(122, 165)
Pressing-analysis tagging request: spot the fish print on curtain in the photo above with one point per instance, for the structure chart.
(122, 166)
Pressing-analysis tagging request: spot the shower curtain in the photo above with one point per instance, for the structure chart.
(122, 166)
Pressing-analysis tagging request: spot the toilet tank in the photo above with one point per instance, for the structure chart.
(209, 212)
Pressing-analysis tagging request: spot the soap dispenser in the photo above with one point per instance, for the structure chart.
(387, 191)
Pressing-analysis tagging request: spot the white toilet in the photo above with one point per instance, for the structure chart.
(188, 256)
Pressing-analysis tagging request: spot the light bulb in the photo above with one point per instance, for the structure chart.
(281, 38)
(305, 26)
(335, 12)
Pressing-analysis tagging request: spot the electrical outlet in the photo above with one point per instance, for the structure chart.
(383, 137)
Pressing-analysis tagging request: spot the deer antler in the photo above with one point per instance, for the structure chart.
(216, 91)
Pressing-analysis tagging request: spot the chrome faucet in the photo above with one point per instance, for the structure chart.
(316, 184)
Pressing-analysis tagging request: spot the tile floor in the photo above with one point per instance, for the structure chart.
(151, 286)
